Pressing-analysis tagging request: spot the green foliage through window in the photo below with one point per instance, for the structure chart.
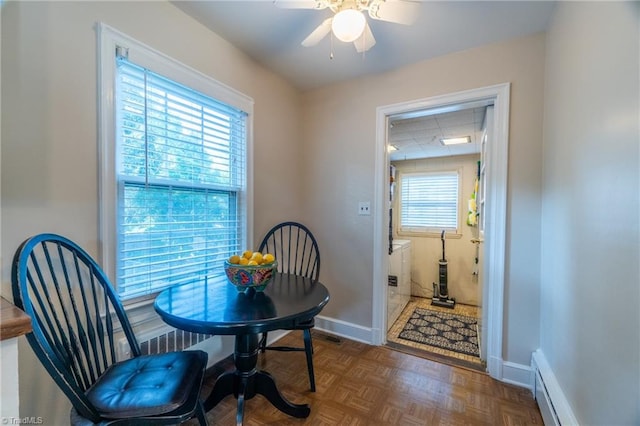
(181, 170)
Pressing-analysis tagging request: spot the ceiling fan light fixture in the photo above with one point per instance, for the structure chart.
(455, 141)
(348, 25)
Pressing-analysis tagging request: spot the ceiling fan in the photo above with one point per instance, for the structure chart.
(348, 23)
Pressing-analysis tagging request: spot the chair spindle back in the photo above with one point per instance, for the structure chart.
(295, 249)
(75, 313)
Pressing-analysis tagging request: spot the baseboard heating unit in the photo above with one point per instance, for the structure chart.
(552, 402)
(161, 340)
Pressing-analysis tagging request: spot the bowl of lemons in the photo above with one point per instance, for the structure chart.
(251, 269)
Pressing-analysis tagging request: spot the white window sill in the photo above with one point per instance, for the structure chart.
(426, 234)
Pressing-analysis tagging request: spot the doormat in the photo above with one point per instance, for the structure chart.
(443, 330)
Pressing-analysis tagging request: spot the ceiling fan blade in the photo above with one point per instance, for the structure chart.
(318, 34)
(396, 11)
(366, 41)
(301, 4)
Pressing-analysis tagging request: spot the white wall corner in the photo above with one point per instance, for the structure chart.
(553, 404)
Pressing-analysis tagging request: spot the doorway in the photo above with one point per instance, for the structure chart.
(436, 202)
(492, 268)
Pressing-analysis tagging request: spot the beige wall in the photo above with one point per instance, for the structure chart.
(339, 140)
(590, 292)
(49, 132)
(427, 250)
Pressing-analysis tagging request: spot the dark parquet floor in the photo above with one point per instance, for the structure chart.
(358, 384)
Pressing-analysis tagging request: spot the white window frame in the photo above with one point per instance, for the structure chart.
(108, 40)
(427, 230)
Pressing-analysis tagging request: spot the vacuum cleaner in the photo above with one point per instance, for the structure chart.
(441, 292)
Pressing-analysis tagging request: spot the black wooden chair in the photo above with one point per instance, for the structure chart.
(76, 317)
(296, 251)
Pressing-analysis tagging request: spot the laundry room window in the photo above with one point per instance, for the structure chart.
(429, 202)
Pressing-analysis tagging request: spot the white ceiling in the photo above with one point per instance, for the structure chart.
(272, 35)
(419, 137)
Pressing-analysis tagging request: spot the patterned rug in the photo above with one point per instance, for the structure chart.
(443, 330)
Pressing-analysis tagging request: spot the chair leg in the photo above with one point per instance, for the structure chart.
(263, 342)
(201, 414)
(308, 350)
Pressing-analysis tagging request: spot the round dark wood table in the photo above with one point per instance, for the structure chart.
(214, 306)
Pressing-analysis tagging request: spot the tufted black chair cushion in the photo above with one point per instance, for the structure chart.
(147, 385)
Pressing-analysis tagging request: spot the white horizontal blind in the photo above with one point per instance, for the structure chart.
(181, 171)
(429, 202)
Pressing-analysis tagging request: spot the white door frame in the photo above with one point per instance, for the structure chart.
(496, 213)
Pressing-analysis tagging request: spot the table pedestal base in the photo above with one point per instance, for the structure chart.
(246, 382)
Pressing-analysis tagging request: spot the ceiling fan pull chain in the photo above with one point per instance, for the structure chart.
(331, 46)
(364, 42)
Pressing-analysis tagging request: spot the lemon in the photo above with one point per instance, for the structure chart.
(268, 258)
(247, 254)
(257, 256)
(252, 263)
(244, 261)
(235, 259)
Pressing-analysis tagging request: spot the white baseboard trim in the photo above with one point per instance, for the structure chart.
(518, 375)
(553, 404)
(345, 329)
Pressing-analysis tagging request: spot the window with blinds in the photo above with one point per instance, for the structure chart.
(180, 170)
(429, 202)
